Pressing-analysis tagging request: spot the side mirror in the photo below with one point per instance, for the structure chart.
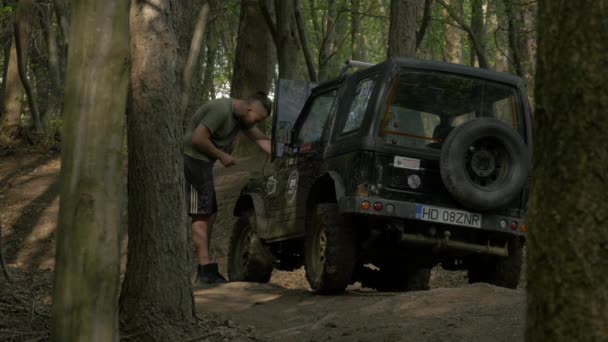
(283, 137)
(284, 132)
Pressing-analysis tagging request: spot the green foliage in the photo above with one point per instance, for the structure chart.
(6, 11)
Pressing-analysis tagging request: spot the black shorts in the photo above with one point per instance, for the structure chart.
(199, 188)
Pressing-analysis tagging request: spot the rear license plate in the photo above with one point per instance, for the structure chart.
(447, 216)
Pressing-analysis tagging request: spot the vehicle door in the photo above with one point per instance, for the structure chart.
(310, 137)
(295, 169)
(290, 97)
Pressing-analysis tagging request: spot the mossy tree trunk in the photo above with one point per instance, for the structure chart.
(85, 298)
(568, 217)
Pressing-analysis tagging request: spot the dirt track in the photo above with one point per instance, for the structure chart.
(285, 309)
(477, 312)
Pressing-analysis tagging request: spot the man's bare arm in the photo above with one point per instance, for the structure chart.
(259, 138)
(201, 139)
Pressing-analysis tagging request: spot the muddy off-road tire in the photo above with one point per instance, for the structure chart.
(329, 250)
(484, 164)
(397, 278)
(503, 272)
(248, 258)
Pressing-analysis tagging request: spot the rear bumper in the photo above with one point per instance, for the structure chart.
(407, 210)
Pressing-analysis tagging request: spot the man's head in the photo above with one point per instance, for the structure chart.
(257, 108)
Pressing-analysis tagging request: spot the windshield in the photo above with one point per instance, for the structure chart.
(425, 106)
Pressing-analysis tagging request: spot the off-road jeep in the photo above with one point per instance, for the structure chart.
(383, 173)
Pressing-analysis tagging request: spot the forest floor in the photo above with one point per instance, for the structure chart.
(283, 310)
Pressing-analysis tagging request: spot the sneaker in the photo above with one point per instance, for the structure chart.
(209, 274)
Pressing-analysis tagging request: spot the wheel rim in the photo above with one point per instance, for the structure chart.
(319, 248)
(242, 250)
(487, 163)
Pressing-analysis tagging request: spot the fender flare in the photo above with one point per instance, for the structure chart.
(321, 189)
(338, 184)
(249, 200)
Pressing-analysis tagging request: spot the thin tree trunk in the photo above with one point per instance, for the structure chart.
(453, 37)
(478, 30)
(496, 24)
(156, 295)
(328, 36)
(53, 72)
(22, 30)
(87, 262)
(193, 57)
(13, 95)
(568, 240)
(38, 78)
(516, 44)
(530, 37)
(426, 19)
(358, 51)
(6, 53)
(402, 31)
(312, 73)
(61, 12)
(478, 44)
(209, 72)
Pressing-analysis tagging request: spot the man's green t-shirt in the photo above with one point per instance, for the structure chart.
(223, 125)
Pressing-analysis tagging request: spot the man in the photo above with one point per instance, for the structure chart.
(208, 138)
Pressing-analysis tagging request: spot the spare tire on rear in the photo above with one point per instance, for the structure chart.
(484, 164)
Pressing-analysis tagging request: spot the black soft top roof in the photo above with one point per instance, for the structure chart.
(419, 64)
(456, 69)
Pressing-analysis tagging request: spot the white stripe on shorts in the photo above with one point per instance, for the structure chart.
(193, 200)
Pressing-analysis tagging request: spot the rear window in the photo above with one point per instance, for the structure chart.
(425, 106)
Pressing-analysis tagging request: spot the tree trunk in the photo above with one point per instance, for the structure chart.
(254, 61)
(55, 86)
(197, 95)
(568, 239)
(209, 71)
(13, 95)
(329, 33)
(358, 50)
(529, 16)
(477, 43)
(87, 259)
(38, 77)
(310, 65)
(191, 69)
(23, 28)
(478, 30)
(288, 46)
(6, 53)
(517, 43)
(426, 19)
(285, 35)
(254, 57)
(402, 31)
(497, 24)
(453, 37)
(61, 12)
(156, 294)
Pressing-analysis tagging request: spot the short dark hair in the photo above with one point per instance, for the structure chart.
(263, 99)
